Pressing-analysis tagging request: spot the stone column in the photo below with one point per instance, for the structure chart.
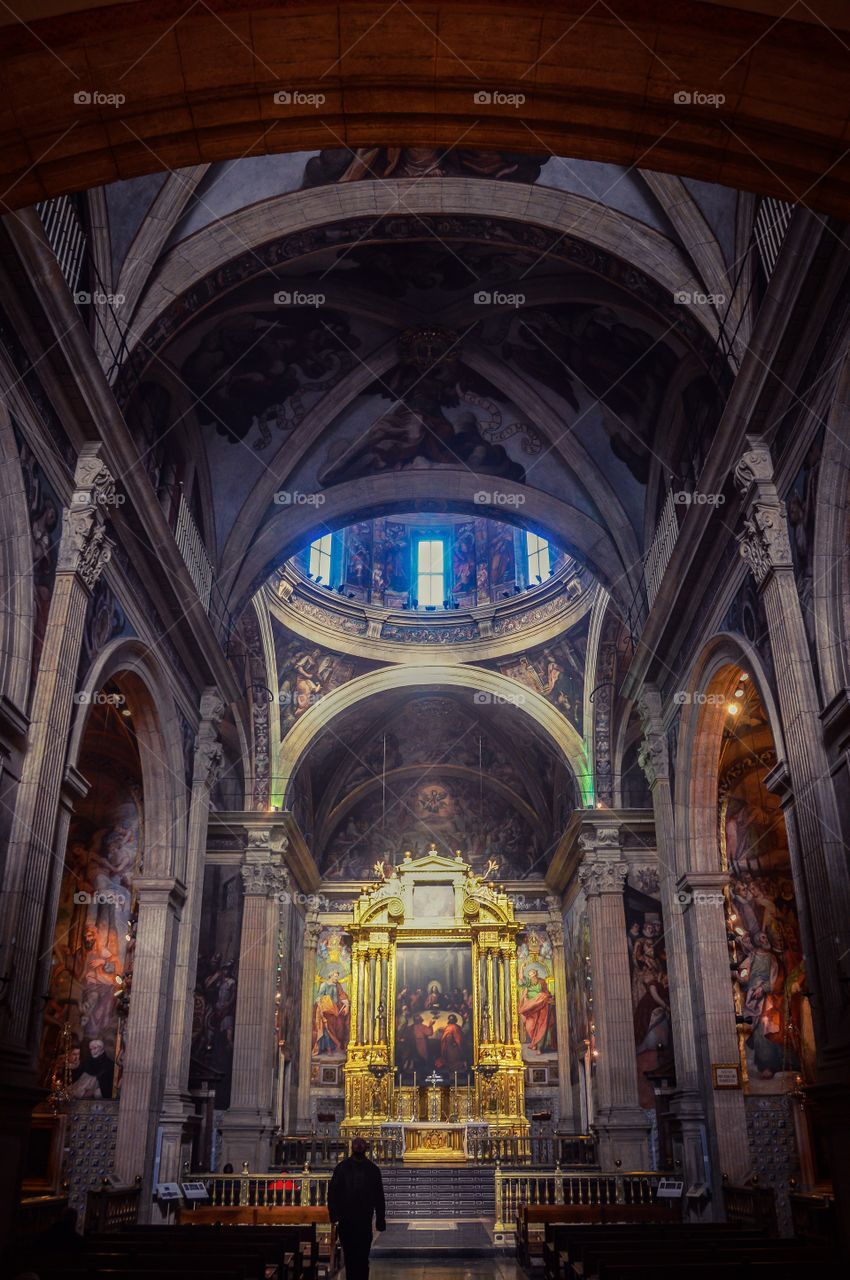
(33, 872)
(305, 1024)
(555, 929)
(160, 900)
(703, 905)
(178, 1110)
(686, 1106)
(248, 1127)
(818, 857)
(620, 1122)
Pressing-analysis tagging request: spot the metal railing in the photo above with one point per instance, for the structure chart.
(544, 1150)
(751, 1207)
(111, 1208)
(264, 1190)
(516, 1190)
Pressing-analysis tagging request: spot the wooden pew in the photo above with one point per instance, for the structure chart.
(532, 1220)
(565, 1240)
(283, 1239)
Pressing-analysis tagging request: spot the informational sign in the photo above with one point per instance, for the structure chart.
(167, 1191)
(726, 1075)
(669, 1189)
(195, 1191)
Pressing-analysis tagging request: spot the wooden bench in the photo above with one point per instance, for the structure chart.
(565, 1241)
(532, 1220)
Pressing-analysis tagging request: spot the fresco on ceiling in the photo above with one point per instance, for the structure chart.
(331, 1025)
(536, 981)
(577, 349)
(216, 981)
(377, 163)
(450, 812)
(764, 930)
(556, 671)
(649, 980)
(434, 728)
(307, 673)
(256, 375)
(94, 938)
(440, 414)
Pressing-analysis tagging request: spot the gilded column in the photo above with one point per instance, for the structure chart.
(178, 1110)
(248, 1127)
(620, 1122)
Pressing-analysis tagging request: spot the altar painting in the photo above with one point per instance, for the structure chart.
(433, 1012)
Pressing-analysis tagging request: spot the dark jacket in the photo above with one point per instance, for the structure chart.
(356, 1192)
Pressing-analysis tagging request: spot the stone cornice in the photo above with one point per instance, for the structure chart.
(608, 831)
(249, 829)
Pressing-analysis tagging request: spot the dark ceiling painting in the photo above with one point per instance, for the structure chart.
(450, 812)
(259, 373)
(346, 165)
(307, 673)
(439, 413)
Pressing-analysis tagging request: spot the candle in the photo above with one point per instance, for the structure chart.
(455, 1082)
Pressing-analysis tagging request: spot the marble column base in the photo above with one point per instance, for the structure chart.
(690, 1142)
(247, 1135)
(178, 1124)
(623, 1139)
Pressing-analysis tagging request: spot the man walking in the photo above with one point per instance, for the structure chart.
(356, 1194)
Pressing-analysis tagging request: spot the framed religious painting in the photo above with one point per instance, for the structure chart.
(433, 1012)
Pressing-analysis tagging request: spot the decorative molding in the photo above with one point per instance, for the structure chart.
(764, 542)
(263, 879)
(603, 875)
(653, 757)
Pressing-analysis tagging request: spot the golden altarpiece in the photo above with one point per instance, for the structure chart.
(434, 1059)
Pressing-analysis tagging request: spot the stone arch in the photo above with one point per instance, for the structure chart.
(477, 679)
(17, 605)
(132, 666)
(210, 90)
(714, 674)
(291, 526)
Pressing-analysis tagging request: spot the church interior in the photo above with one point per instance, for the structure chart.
(425, 663)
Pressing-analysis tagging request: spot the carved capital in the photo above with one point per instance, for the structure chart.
(754, 467)
(603, 875)
(84, 548)
(213, 705)
(764, 541)
(599, 838)
(264, 879)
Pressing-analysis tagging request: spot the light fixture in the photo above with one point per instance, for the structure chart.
(733, 708)
(125, 711)
(739, 692)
